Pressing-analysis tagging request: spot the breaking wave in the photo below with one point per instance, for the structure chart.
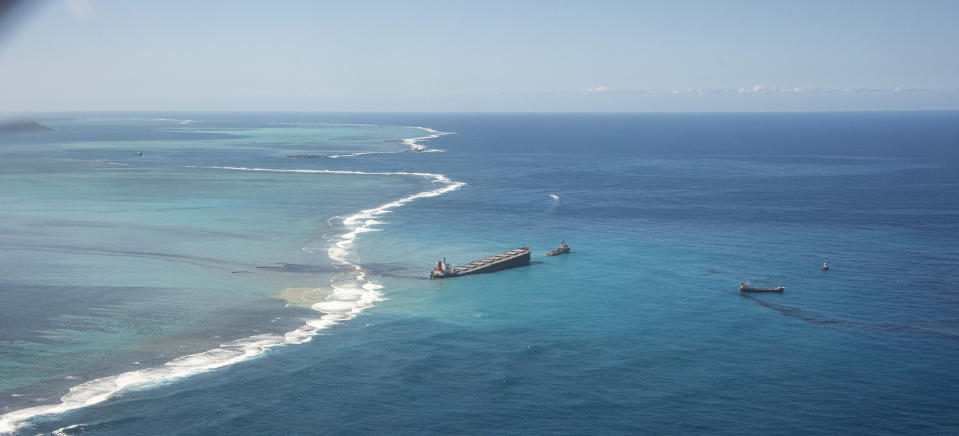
(178, 121)
(412, 144)
(353, 292)
(415, 143)
(359, 153)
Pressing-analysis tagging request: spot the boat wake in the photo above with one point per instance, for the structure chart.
(553, 204)
(353, 292)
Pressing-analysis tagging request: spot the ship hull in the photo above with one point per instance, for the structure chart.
(768, 290)
(506, 260)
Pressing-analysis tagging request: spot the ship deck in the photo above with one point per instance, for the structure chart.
(486, 262)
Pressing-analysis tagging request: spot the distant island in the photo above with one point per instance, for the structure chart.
(22, 126)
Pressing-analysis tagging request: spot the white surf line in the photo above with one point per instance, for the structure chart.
(352, 293)
(63, 431)
(414, 143)
(176, 120)
(359, 153)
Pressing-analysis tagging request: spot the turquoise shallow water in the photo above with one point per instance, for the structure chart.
(111, 265)
(640, 329)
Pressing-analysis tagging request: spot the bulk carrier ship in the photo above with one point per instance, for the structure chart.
(498, 262)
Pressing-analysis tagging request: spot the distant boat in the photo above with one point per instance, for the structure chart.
(746, 287)
(825, 267)
(562, 249)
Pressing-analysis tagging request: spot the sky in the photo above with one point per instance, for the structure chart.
(504, 56)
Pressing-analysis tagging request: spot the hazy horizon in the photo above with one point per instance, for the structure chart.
(430, 56)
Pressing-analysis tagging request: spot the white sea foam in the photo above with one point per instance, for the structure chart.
(176, 120)
(414, 143)
(359, 153)
(63, 431)
(106, 162)
(352, 293)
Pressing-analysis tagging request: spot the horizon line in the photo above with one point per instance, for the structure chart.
(7, 115)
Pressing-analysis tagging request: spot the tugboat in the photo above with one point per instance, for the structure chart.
(562, 249)
(746, 287)
(498, 262)
(825, 267)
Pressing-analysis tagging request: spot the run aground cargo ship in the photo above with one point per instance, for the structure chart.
(498, 262)
(747, 287)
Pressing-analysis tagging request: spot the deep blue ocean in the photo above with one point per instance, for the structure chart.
(114, 262)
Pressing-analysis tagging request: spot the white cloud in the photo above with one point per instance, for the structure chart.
(81, 9)
(757, 90)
